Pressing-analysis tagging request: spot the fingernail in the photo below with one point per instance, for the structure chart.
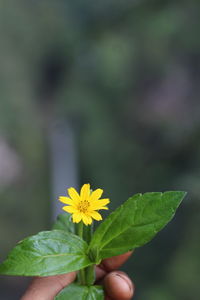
(124, 278)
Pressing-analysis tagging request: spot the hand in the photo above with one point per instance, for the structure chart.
(117, 284)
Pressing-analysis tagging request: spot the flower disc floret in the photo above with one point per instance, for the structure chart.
(84, 206)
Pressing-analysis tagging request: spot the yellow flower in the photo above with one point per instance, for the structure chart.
(84, 206)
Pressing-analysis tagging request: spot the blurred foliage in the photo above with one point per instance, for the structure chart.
(126, 75)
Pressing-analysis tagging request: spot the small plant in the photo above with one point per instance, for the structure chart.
(72, 245)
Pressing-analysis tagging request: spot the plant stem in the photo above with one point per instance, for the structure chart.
(89, 275)
(80, 229)
(82, 277)
(89, 271)
(86, 276)
(81, 273)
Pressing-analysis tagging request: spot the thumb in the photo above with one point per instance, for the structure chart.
(46, 288)
(118, 286)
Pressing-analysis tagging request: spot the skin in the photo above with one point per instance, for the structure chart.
(117, 284)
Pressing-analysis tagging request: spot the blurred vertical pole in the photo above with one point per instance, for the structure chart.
(60, 133)
(63, 162)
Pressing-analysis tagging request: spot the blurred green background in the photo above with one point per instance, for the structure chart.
(125, 75)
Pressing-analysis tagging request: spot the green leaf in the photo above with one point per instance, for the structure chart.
(80, 292)
(47, 253)
(64, 222)
(134, 223)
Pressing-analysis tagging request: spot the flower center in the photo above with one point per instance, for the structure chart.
(83, 206)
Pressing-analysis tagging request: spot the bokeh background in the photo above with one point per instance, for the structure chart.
(116, 84)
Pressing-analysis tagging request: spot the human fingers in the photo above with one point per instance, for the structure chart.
(118, 286)
(46, 288)
(113, 263)
(110, 264)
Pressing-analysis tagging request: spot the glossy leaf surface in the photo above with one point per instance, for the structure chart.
(134, 223)
(47, 253)
(79, 292)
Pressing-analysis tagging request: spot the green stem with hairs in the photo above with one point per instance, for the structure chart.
(86, 276)
(81, 273)
(89, 271)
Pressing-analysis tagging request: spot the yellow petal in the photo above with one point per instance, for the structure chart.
(85, 191)
(73, 194)
(95, 215)
(98, 204)
(66, 200)
(76, 217)
(103, 207)
(87, 220)
(96, 195)
(69, 209)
